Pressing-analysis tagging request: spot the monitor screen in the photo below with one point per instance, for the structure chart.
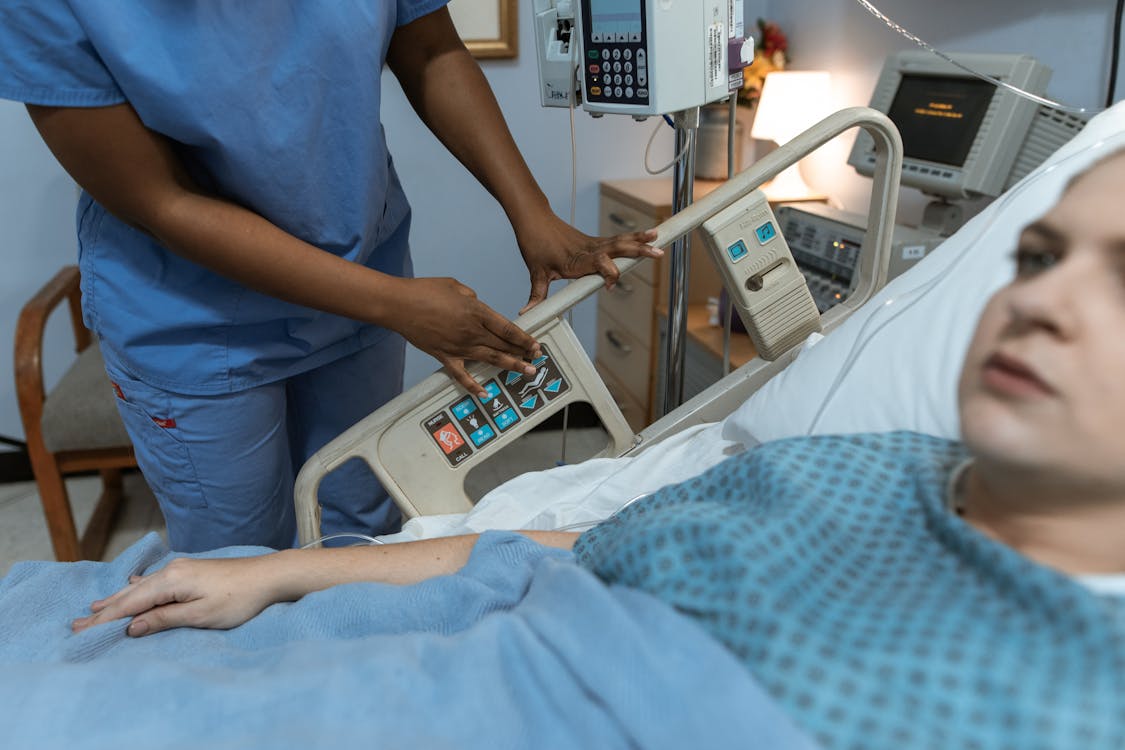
(615, 17)
(938, 116)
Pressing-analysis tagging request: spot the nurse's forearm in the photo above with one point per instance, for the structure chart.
(134, 173)
(450, 93)
(240, 245)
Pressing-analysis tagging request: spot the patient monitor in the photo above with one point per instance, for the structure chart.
(963, 138)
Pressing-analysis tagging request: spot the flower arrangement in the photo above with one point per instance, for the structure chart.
(770, 54)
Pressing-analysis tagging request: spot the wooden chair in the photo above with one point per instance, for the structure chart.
(75, 427)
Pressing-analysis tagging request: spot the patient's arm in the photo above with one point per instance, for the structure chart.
(226, 593)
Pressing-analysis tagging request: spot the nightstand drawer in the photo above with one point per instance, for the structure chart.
(630, 302)
(635, 413)
(618, 218)
(625, 356)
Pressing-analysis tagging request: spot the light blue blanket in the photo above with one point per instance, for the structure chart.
(520, 649)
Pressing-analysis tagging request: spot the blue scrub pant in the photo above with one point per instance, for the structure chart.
(223, 467)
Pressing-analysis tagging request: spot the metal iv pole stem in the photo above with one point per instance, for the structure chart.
(679, 262)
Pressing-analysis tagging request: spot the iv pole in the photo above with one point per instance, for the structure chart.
(679, 262)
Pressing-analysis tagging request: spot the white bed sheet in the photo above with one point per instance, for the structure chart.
(583, 493)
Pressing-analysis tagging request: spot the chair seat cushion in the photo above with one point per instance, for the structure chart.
(81, 411)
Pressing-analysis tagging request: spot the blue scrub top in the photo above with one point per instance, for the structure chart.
(271, 105)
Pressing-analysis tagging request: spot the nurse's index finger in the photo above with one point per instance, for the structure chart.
(508, 331)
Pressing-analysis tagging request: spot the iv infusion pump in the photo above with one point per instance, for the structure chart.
(638, 57)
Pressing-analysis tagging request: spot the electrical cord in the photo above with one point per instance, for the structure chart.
(583, 525)
(370, 540)
(1115, 55)
(648, 148)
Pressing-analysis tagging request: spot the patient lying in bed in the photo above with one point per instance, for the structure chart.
(888, 590)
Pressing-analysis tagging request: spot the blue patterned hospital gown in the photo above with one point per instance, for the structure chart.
(832, 567)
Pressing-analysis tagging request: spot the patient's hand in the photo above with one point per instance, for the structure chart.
(190, 593)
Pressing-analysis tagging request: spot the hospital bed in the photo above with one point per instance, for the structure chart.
(875, 372)
(423, 444)
(515, 650)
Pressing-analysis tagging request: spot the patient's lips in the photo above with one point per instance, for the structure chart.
(1009, 376)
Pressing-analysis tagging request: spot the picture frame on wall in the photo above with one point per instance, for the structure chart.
(489, 28)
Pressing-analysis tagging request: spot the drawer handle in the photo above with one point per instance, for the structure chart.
(617, 343)
(619, 220)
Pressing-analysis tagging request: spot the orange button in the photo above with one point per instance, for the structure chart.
(596, 91)
(449, 439)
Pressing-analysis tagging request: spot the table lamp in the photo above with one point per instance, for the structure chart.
(791, 101)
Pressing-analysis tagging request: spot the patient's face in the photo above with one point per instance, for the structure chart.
(1043, 387)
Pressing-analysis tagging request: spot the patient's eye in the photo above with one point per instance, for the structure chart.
(1033, 260)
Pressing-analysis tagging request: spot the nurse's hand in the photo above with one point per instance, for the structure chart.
(217, 594)
(444, 318)
(552, 250)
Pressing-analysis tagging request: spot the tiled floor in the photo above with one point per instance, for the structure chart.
(23, 531)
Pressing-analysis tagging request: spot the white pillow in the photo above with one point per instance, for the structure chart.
(894, 364)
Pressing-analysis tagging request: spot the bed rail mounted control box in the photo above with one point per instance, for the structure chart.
(765, 284)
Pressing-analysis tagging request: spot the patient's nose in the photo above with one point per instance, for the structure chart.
(1049, 300)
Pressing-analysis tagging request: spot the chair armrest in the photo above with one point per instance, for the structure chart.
(29, 340)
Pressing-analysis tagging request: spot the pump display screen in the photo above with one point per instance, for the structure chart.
(616, 17)
(939, 117)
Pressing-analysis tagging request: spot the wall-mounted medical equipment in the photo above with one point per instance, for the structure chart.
(421, 443)
(637, 57)
(826, 243)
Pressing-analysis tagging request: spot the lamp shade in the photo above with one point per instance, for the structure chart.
(791, 101)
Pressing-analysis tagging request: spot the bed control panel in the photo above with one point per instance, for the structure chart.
(422, 444)
(471, 425)
(767, 287)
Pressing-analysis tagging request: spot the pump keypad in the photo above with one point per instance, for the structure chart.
(621, 77)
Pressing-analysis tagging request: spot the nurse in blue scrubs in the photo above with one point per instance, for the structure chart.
(243, 236)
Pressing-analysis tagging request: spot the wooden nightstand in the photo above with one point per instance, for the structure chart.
(631, 317)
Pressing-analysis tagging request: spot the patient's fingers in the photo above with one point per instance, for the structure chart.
(101, 604)
(178, 615)
(134, 599)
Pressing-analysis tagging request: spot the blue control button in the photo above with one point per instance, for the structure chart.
(766, 232)
(492, 390)
(506, 419)
(511, 376)
(737, 251)
(482, 436)
(539, 360)
(530, 403)
(462, 409)
(554, 386)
